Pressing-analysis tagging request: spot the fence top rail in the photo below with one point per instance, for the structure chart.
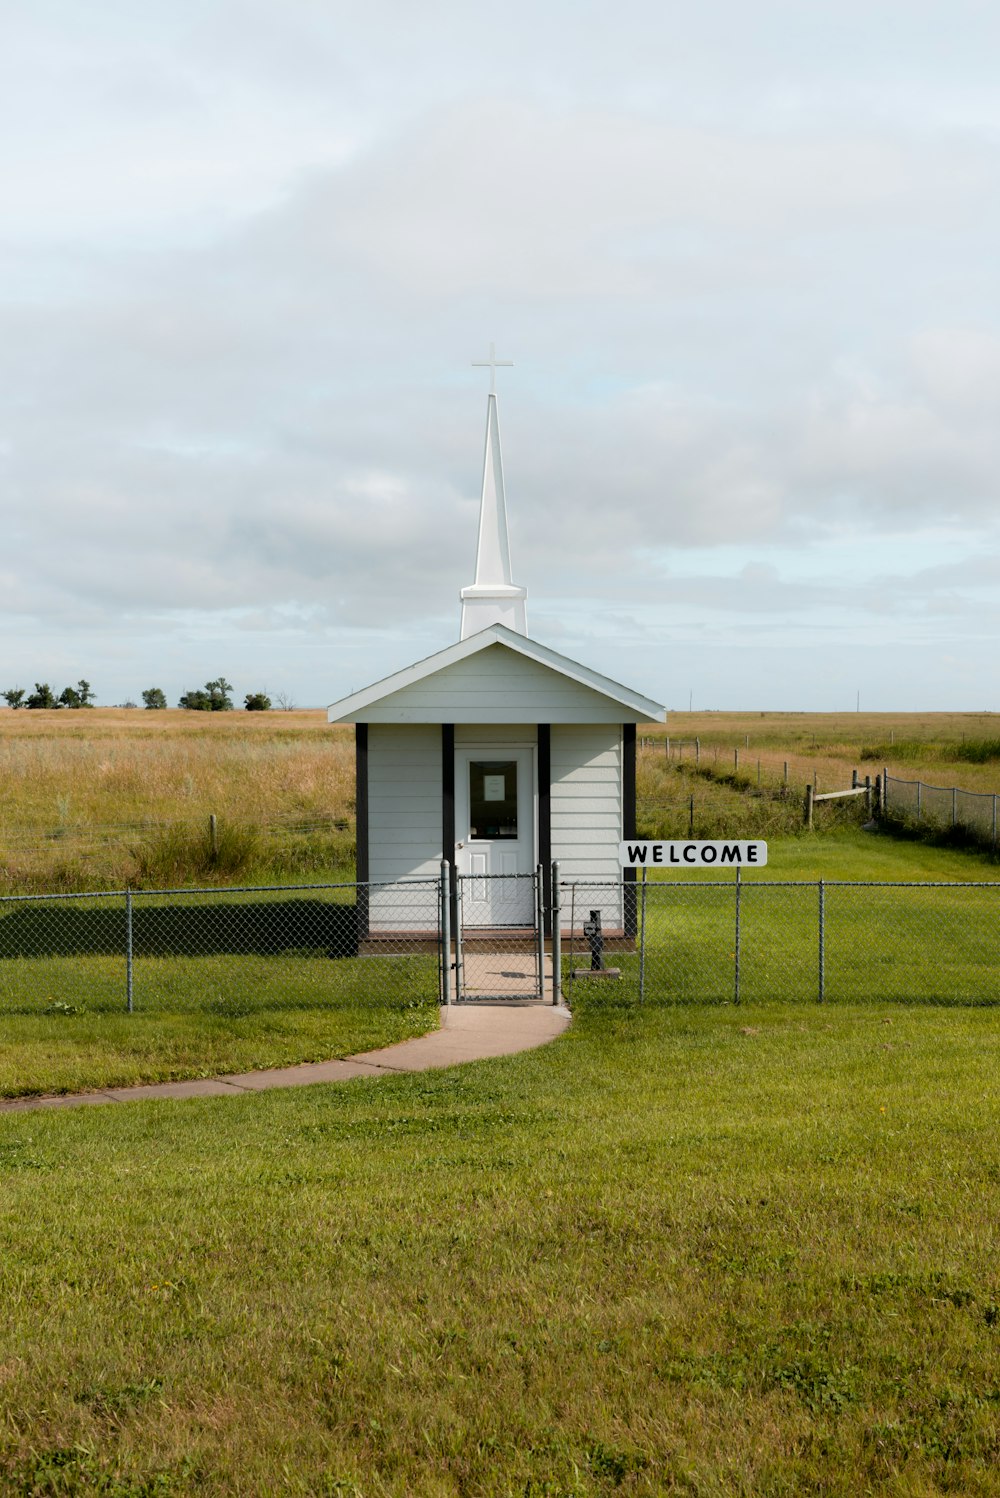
(745, 883)
(579, 886)
(225, 889)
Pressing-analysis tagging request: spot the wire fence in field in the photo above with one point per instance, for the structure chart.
(709, 942)
(156, 848)
(231, 952)
(940, 807)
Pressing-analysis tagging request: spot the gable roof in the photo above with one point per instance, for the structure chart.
(390, 700)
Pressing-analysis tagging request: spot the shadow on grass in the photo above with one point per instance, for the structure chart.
(201, 929)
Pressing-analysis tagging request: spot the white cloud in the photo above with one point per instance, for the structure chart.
(744, 258)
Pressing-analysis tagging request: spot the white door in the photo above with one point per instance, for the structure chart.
(495, 834)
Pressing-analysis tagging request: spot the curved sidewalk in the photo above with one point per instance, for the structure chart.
(469, 1032)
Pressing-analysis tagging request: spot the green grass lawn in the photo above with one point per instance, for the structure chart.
(219, 983)
(76, 1050)
(704, 1251)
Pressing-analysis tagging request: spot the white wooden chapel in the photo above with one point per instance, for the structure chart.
(496, 753)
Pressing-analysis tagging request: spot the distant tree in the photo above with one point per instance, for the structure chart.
(218, 692)
(14, 696)
(195, 701)
(285, 702)
(257, 702)
(78, 696)
(212, 698)
(42, 696)
(154, 698)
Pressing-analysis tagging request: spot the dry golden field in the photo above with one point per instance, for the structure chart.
(109, 796)
(125, 795)
(108, 765)
(828, 746)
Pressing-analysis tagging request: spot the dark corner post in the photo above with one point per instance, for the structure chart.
(628, 825)
(545, 818)
(361, 872)
(448, 810)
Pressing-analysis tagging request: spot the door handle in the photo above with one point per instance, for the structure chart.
(459, 846)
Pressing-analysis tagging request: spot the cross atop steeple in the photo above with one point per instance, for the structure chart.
(493, 364)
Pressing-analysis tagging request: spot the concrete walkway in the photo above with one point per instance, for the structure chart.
(469, 1032)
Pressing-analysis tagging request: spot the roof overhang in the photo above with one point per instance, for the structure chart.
(354, 709)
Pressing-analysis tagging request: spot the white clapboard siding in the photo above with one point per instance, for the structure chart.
(587, 812)
(468, 735)
(495, 686)
(404, 821)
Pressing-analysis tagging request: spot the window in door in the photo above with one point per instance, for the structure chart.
(492, 799)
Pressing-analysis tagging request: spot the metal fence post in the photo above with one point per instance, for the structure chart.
(822, 941)
(572, 925)
(459, 955)
(736, 954)
(128, 951)
(540, 925)
(445, 931)
(954, 806)
(556, 936)
(642, 942)
(918, 800)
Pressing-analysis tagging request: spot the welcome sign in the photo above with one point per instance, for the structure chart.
(693, 855)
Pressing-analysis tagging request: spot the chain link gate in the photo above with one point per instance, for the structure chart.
(499, 938)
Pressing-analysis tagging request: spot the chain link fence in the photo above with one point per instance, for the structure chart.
(710, 942)
(941, 807)
(231, 952)
(238, 951)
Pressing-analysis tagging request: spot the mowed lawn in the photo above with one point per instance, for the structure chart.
(705, 1251)
(63, 1025)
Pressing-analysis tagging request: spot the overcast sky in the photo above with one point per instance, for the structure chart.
(746, 260)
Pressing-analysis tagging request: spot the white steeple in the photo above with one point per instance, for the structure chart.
(493, 598)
